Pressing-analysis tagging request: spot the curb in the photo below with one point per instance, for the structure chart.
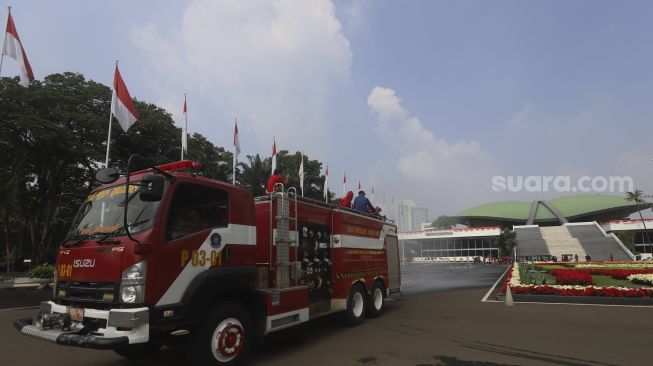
(594, 300)
(27, 286)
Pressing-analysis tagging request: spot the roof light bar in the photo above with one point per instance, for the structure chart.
(176, 166)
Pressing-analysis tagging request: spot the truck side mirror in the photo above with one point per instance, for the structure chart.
(152, 188)
(107, 175)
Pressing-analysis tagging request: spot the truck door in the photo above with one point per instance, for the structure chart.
(394, 271)
(194, 212)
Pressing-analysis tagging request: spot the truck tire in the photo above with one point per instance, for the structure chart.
(225, 338)
(138, 350)
(377, 299)
(356, 305)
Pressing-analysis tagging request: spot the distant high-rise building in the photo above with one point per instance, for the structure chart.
(410, 218)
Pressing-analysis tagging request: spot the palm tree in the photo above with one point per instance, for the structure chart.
(255, 174)
(638, 197)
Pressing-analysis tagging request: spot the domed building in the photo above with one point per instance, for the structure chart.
(558, 211)
(583, 223)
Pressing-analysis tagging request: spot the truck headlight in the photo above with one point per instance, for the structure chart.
(128, 294)
(132, 286)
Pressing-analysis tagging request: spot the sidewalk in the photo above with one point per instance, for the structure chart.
(22, 281)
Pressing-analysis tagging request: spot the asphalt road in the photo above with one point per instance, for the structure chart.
(16, 298)
(439, 321)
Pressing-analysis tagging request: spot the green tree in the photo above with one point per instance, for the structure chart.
(216, 162)
(50, 137)
(627, 237)
(53, 140)
(313, 177)
(254, 174)
(637, 196)
(507, 241)
(444, 222)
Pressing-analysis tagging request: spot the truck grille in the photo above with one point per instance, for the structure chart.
(88, 292)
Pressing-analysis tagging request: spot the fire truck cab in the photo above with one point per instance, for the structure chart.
(202, 259)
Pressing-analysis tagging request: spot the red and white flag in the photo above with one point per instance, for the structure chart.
(326, 183)
(274, 155)
(122, 106)
(184, 131)
(236, 141)
(236, 150)
(301, 173)
(14, 49)
(344, 184)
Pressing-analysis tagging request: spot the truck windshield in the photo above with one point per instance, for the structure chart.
(102, 213)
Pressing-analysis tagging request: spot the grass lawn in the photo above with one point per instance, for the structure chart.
(605, 281)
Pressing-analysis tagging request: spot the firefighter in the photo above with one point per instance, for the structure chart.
(346, 200)
(186, 220)
(274, 179)
(363, 204)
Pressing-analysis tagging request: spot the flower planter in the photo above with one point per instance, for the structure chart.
(578, 288)
(600, 300)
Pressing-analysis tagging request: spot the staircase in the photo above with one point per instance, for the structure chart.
(577, 238)
(560, 242)
(597, 245)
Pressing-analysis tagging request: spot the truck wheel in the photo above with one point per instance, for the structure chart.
(377, 299)
(225, 338)
(138, 350)
(356, 305)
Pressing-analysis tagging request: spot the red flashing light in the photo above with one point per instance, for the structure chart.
(179, 165)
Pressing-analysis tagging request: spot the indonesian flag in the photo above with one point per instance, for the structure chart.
(184, 130)
(236, 141)
(344, 184)
(301, 173)
(326, 183)
(274, 155)
(14, 49)
(122, 106)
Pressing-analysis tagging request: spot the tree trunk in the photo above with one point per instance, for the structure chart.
(645, 233)
(7, 241)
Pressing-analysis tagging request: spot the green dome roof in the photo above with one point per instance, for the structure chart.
(570, 207)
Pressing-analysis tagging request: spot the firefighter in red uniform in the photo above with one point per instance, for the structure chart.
(346, 200)
(274, 179)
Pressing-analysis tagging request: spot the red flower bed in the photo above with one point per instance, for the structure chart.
(572, 277)
(587, 291)
(619, 274)
(504, 287)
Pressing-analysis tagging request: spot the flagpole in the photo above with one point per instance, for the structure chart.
(185, 129)
(301, 175)
(326, 185)
(233, 178)
(106, 161)
(4, 41)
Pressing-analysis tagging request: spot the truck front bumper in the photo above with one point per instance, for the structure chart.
(59, 336)
(123, 326)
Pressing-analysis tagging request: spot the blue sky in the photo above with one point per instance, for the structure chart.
(424, 100)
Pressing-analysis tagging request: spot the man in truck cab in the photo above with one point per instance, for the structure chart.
(184, 221)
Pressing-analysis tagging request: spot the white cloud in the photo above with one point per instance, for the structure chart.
(273, 64)
(431, 168)
(522, 117)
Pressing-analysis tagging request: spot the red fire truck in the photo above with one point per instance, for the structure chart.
(165, 254)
